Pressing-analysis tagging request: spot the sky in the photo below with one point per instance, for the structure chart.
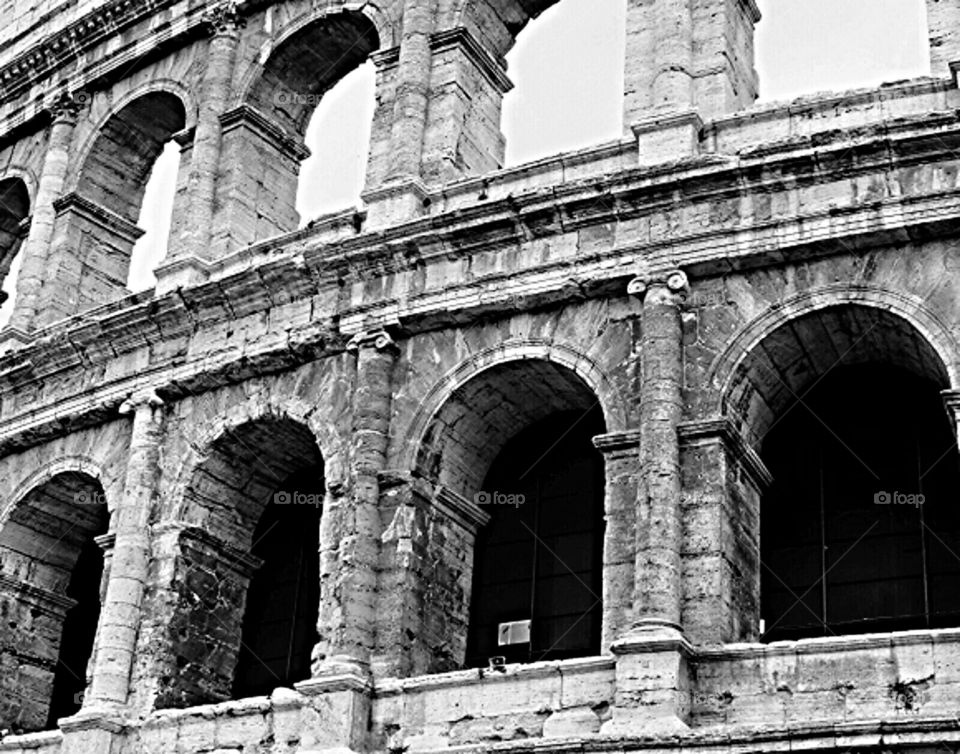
(568, 95)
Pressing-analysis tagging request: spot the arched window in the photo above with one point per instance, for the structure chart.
(14, 210)
(50, 580)
(566, 96)
(338, 138)
(155, 216)
(264, 139)
(247, 554)
(516, 440)
(97, 223)
(280, 620)
(858, 530)
(539, 558)
(806, 46)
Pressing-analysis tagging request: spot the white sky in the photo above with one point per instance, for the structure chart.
(568, 68)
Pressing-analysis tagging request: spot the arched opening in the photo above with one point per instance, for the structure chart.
(261, 189)
(807, 46)
(14, 211)
(51, 570)
(156, 213)
(97, 224)
(280, 621)
(566, 96)
(858, 530)
(338, 137)
(248, 555)
(516, 440)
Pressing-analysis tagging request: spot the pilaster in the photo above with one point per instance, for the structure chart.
(122, 605)
(34, 275)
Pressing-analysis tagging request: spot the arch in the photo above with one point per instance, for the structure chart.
(126, 143)
(14, 213)
(293, 76)
(112, 107)
(50, 583)
(561, 354)
(498, 22)
(274, 408)
(79, 464)
(909, 308)
(253, 472)
(513, 433)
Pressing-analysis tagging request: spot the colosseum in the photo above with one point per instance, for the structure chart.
(649, 446)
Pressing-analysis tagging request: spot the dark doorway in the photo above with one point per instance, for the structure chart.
(280, 621)
(847, 544)
(79, 633)
(541, 560)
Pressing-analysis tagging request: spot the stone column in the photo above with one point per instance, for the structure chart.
(658, 587)
(190, 249)
(402, 193)
(350, 527)
(688, 61)
(120, 615)
(653, 684)
(65, 112)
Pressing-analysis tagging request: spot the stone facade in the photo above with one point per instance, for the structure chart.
(684, 279)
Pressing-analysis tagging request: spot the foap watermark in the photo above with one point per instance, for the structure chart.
(499, 498)
(305, 99)
(89, 497)
(293, 497)
(898, 498)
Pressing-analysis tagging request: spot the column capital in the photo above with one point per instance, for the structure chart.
(674, 283)
(146, 398)
(378, 339)
(66, 107)
(224, 18)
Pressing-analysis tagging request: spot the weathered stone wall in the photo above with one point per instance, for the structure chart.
(400, 348)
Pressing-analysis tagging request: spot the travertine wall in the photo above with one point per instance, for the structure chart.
(662, 278)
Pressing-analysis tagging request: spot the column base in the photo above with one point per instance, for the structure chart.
(340, 692)
(395, 202)
(653, 681)
(181, 273)
(667, 138)
(93, 731)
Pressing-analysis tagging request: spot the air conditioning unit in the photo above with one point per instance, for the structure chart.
(514, 632)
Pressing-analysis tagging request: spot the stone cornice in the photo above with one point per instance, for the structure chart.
(71, 42)
(316, 270)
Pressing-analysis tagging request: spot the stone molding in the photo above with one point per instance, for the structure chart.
(73, 42)
(50, 602)
(723, 429)
(460, 37)
(246, 116)
(107, 219)
(618, 443)
(236, 559)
